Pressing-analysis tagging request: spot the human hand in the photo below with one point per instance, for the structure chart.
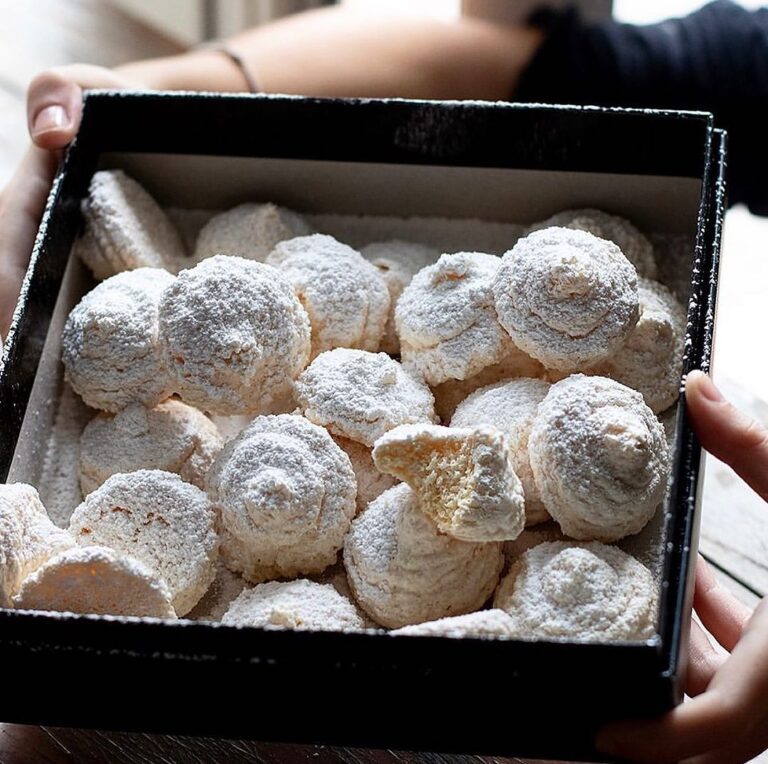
(726, 721)
(54, 108)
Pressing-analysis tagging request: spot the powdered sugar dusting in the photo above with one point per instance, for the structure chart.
(345, 296)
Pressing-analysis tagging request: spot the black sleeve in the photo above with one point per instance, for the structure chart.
(714, 60)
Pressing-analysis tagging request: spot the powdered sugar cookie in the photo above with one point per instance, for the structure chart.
(398, 262)
(633, 245)
(446, 320)
(482, 624)
(297, 604)
(248, 230)
(370, 481)
(511, 407)
(96, 580)
(361, 395)
(285, 493)
(599, 457)
(566, 297)
(160, 520)
(125, 228)
(463, 478)
(171, 436)
(515, 363)
(235, 336)
(402, 570)
(110, 345)
(344, 295)
(651, 359)
(588, 592)
(27, 537)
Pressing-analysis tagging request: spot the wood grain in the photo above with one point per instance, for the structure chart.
(49, 745)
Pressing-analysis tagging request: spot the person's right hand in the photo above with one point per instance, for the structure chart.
(726, 720)
(54, 108)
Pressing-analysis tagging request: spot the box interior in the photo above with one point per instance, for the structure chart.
(452, 208)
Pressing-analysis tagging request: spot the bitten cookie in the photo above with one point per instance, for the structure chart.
(397, 262)
(160, 520)
(96, 580)
(599, 457)
(285, 494)
(125, 228)
(446, 321)
(27, 537)
(587, 592)
(566, 297)
(171, 436)
(299, 604)
(249, 230)
(463, 478)
(402, 570)
(651, 359)
(361, 395)
(511, 407)
(234, 334)
(345, 297)
(633, 245)
(111, 346)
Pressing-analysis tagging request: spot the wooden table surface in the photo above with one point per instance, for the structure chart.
(43, 33)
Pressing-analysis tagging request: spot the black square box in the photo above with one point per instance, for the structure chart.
(664, 170)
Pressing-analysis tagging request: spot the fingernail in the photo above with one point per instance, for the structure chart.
(50, 118)
(707, 387)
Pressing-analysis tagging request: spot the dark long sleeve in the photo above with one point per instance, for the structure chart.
(714, 60)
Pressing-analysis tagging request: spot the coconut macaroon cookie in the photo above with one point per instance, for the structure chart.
(345, 296)
(27, 537)
(299, 604)
(398, 262)
(651, 359)
(160, 520)
(125, 228)
(463, 478)
(97, 580)
(361, 395)
(599, 457)
(566, 297)
(482, 624)
(171, 436)
(446, 320)
(110, 345)
(248, 230)
(402, 570)
(633, 244)
(511, 407)
(285, 494)
(514, 364)
(371, 482)
(588, 592)
(234, 334)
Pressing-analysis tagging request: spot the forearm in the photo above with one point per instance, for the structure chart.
(335, 52)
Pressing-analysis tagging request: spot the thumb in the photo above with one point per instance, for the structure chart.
(55, 101)
(54, 108)
(727, 433)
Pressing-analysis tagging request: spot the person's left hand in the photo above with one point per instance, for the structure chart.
(726, 721)
(54, 108)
